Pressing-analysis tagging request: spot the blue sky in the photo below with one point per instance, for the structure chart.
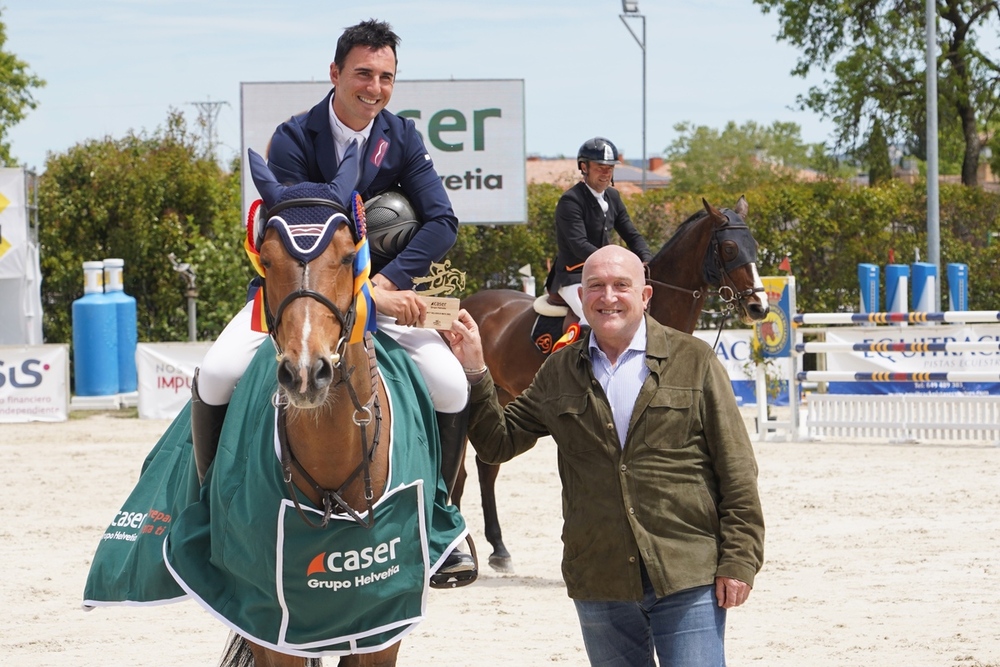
(117, 65)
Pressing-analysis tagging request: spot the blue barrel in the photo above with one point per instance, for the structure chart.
(95, 337)
(114, 291)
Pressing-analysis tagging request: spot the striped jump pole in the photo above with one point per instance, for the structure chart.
(951, 346)
(970, 316)
(886, 376)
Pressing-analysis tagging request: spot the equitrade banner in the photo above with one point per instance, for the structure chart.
(34, 383)
(916, 362)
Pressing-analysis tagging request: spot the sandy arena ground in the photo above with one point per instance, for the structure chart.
(876, 554)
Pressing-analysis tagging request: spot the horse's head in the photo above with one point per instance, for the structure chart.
(315, 268)
(731, 263)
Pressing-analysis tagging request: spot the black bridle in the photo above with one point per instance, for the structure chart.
(364, 413)
(715, 267)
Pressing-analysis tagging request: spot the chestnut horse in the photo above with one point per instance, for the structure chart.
(327, 385)
(713, 251)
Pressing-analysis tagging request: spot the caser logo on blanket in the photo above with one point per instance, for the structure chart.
(351, 561)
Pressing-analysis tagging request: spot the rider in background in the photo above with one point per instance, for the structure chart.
(585, 215)
(309, 148)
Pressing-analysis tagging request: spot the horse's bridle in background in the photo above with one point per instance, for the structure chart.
(364, 414)
(715, 268)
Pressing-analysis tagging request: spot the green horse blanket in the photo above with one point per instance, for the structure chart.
(238, 547)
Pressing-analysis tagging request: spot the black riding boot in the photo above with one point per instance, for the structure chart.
(453, 428)
(206, 425)
(458, 568)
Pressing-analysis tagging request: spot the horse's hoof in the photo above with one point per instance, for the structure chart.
(502, 564)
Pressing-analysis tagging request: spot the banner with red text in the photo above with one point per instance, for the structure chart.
(165, 371)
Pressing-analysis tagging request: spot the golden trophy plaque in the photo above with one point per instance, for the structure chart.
(434, 288)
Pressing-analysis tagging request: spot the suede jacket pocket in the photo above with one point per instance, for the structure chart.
(578, 423)
(669, 418)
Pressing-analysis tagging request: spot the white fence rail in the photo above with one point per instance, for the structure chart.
(904, 417)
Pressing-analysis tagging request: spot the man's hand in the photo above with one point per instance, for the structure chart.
(466, 344)
(408, 308)
(731, 592)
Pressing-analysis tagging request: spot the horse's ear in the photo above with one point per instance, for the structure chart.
(711, 209)
(263, 178)
(742, 207)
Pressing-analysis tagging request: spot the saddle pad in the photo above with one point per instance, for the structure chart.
(546, 331)
(237, 546)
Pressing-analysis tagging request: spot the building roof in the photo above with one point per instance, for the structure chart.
(564, 173)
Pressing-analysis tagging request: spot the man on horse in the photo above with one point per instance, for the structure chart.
(309, 148)
(585, 215)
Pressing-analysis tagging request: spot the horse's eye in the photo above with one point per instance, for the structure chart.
(348, 259)
(730, 250)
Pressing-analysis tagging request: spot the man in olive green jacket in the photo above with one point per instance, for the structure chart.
(662, 522)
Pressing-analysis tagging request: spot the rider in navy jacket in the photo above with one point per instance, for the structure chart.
(301, 151)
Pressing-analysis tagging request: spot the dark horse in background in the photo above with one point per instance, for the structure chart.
(713, 251)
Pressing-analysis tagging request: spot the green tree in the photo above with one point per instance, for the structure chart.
(738, 157)
(877, 156)
(140, 198)
(874, 52)
(16, 84)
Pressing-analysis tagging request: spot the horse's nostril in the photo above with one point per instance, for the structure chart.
(286, 374)
(322, 372)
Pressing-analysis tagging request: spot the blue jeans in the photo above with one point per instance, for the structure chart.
(687, 629)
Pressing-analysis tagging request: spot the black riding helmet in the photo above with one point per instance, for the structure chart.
(598, 150)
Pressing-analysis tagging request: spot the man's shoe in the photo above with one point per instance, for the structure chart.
(458, 569)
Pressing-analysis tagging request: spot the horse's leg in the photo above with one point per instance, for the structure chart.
(500, 558)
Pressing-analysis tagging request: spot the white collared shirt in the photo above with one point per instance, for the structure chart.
(600, 198)
(623, 380)
(342, 134)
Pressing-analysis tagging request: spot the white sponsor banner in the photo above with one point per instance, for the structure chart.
(472, 129)
(165, 371)
(916, 362)
(34, 383)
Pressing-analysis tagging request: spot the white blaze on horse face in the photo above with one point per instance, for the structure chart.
(305, 362)
(758, 285)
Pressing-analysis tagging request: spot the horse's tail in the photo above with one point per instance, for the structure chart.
(239, 654)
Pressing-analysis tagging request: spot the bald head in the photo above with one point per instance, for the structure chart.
(628, 262)
(614, 294)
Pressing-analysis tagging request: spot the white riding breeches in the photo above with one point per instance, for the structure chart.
(571, 295)
(231, 353)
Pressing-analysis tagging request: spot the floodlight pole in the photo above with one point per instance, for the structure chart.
(933, 201)
(630, 8)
